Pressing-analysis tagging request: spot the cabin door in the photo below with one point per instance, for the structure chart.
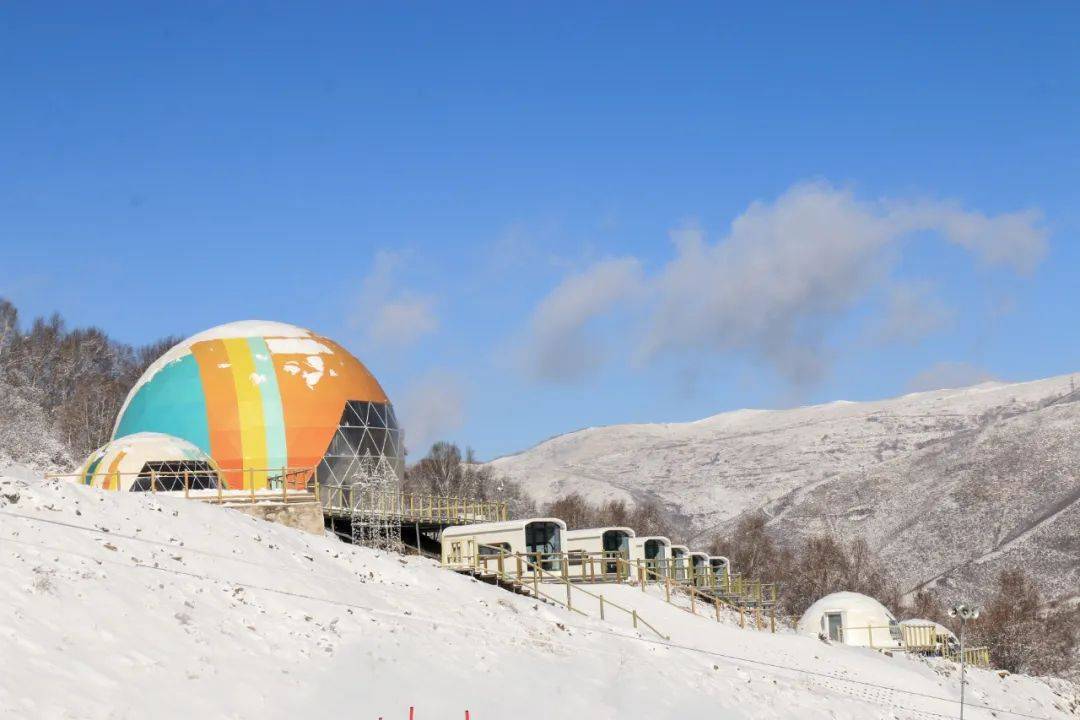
(615, 543)
(835, 624)
(543, 538)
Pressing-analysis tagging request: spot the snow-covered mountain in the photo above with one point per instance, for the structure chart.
(955, 483)
(129, 606)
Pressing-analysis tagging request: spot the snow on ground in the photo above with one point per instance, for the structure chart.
(136, 606)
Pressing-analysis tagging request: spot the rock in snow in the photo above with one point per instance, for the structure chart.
(127, 605)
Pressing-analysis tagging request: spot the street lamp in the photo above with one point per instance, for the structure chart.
(965, 613)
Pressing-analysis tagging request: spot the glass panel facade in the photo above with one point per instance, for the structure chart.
(170, 475)
(544, 537)
(366, 431)
(616, 541)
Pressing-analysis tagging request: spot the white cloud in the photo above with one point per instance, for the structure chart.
(1014, 240)
(402, 322)
(949, 375)
(770, 285)
(913, 312)
(432, 409)
(784, 278)
(560, 346)
(389, 315)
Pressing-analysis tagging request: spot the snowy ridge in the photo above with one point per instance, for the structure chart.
(126, 605)
(1004, 457)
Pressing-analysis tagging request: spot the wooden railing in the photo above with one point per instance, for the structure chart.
(527, 570)
(854, 634)
(212, 484)
(746, 598)
(978, 656)
(919, 639)
(752, 601)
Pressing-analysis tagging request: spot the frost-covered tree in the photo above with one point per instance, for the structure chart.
(70, 382)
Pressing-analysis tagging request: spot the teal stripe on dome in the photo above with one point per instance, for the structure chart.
(277, 452)
(91, 469)
(171, 402)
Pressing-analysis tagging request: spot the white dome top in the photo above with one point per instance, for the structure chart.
(166, 446)
(238, 329)
(290, 338)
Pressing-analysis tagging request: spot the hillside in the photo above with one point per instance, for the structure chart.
(951, 482)
(133, 606)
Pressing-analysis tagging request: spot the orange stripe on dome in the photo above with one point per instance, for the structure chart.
(223, 415)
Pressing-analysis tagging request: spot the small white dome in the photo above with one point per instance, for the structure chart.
(853, 619)
(132, 462)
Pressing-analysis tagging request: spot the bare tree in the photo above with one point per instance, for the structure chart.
(574, 510)
(1022, 635)
(78, 378)
(750, 548)
(444, 471)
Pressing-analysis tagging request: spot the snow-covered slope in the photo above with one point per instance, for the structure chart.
(976, 478)
(135, 606)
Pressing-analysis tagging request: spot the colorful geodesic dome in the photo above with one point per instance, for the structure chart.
(262, 397)
(150, 461)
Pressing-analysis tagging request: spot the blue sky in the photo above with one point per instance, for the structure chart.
(531, 219)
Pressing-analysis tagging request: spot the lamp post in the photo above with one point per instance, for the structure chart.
(965, 613)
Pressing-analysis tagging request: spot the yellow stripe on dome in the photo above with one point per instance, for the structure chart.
(250, 406)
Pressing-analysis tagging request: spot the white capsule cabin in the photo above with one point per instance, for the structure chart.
(852, 619)
(721, 567)
(599, 540)
(463, 544)
(680, 562)
(700, 568)
(651, 553)
(598, 550)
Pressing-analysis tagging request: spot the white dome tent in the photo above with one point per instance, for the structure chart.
(852, 619)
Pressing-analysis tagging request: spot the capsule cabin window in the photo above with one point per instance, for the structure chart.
(494, 548)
